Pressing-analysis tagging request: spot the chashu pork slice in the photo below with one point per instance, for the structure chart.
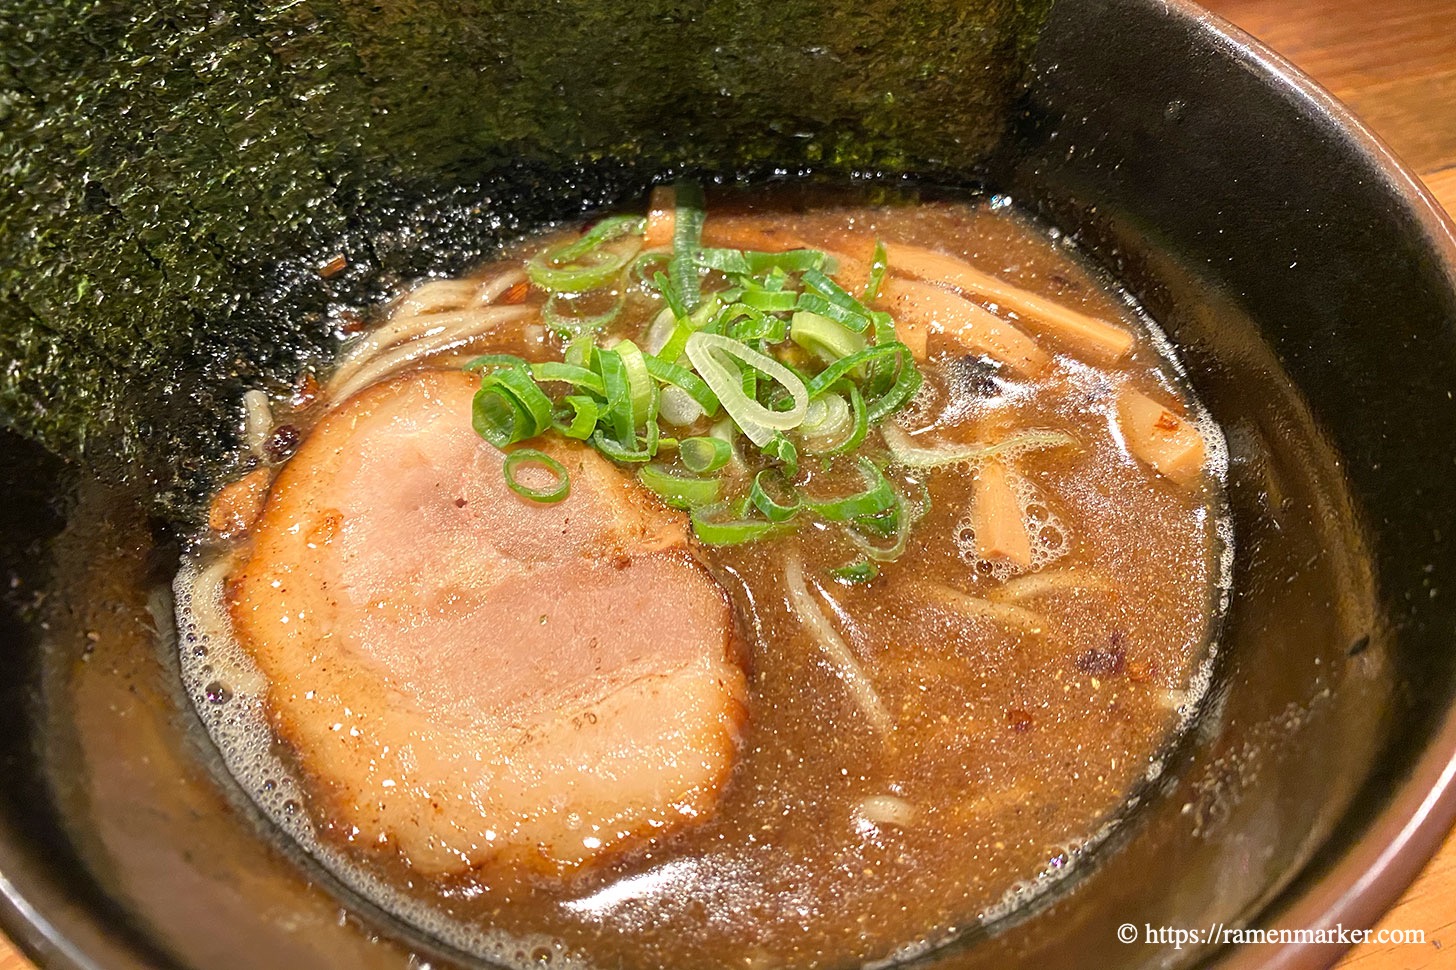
(467, 675)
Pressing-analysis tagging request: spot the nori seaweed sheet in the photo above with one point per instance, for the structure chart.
(172, 174)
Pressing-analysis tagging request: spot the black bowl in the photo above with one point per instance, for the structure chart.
(1307, 279)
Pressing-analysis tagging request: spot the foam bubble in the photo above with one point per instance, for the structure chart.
(1050, 537)
(916, 412)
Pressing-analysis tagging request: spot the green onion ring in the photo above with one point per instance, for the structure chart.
(547, 271)
(781, 448)
(679, 491)
(704, 454)
(682, 378)
(553, 370)
(840, 305)
(639, 380)
(715, 531)
(879, 263)
(756, 421)
(824, 337)
(618, 394)
(861, 423)
(876, 497)
(770, 301)
(523, 456)
(772, 509)
(845, 365)
(612, 227)
(861, 571)
(816, 303)
(617, 451)
(578, 278)
(570, 325)
(584, 414)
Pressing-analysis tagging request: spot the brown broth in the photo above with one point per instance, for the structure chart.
(1016, 743)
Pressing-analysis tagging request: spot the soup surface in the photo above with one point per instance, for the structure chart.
(820, 699)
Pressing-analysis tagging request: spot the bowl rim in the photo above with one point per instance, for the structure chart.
(1358, 889)
(1372, 873)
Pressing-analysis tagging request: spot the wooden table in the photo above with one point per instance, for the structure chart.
(1394, 62)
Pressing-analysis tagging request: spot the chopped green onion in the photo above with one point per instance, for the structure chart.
(571, 325)
(686, 241)
(618, 393)
(724, 431)
(772, 509)
(770, 301)
(617, 450)
(815, 303)
(519, 383)
(878, 264)
(845, 366)
(704, 454)
(903, 523)
(830, 299)
(509, 407)
(639, 379)
(856, 572)
(861, 426)
(788, 261)
(824, 337)
(672, 351)
(744, 322)
(724, 261)
(749, 262)
(644, 267)
(706, 311)
(707, 350)
(877, 496)
(724, 525)
(679, 491)
(552, 370)
(579, 351)
(906, 382)
(748, 381)
(781, 448)
(711, 352)
(612, 227)
(684, 379)
(884, 326)
(879, 552)
(580, 266)
(524, 456)
(910, 455)
(584, 414)
(671, 295)
(825, 423)
(496, 418)
(884, 523)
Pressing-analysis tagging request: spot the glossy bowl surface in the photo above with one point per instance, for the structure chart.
(1310, 284)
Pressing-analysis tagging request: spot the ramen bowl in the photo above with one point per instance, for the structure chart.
(1306, 279)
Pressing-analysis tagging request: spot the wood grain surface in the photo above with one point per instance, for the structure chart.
(1394, 63)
